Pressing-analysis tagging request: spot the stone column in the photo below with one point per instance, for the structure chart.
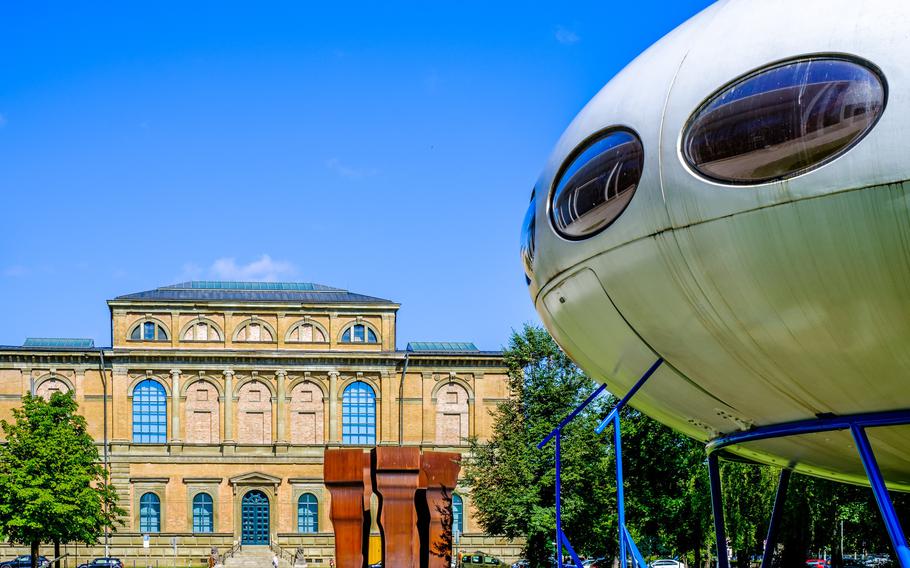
(175, 405)
(228, 405)
(333, 407)
(280, 376)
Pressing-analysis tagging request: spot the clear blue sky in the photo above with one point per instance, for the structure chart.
(386, 148)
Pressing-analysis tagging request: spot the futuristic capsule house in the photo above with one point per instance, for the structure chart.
(736, 201)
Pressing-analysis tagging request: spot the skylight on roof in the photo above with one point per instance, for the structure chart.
(451, 346)
(72, 343)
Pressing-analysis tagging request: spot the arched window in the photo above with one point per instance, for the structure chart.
(358, 414)
(359, 333)
(201, 330)
(307, 333)
(307, 514)
(254, 331)
(149, 513)
(149, 413)
(203, 513)
(457, 515)
(148, 330)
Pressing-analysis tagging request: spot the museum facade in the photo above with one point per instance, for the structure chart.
(216, 402)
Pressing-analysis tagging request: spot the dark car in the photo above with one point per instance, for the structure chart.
(25, 561)
(104, 562)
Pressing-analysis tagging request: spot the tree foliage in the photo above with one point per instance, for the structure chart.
(667, 494)
(52, 486)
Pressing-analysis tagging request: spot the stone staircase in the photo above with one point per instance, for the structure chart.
(254, 557)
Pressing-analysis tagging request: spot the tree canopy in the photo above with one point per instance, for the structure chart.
(53, 487)
(667, 495)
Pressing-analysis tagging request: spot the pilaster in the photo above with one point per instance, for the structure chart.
(333, 407)
(228, 406)
(280, 378)
(175, 405)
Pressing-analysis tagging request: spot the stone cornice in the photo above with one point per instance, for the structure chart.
(192, 359)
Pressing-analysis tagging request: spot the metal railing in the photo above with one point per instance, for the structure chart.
(282, 553)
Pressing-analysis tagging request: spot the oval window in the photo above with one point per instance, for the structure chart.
(597, 184)
(785, 120)
(527, 238)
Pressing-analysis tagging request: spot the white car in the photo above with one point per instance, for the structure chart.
(667, 563)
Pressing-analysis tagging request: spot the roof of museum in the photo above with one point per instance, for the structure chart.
(442, 346)
(61, 342)
(232, 291)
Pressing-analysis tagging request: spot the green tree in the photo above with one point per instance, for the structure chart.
(513, 483)
(52, 486)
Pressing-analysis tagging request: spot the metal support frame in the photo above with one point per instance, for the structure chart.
(857, 424)
(626, 543)
(776, 514)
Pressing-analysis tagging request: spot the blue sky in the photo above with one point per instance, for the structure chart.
(386, 148)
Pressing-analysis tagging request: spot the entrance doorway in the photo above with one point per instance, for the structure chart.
(255, 518)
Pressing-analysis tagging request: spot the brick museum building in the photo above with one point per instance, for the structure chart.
(217, 400)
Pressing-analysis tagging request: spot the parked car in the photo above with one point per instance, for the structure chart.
(817, 563)
(103, 562)
(25, 561)
(667, 563)
(521, 564)
(479, 559)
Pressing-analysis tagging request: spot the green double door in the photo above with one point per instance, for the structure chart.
(255, 518)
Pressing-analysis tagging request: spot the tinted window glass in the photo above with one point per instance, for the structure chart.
(597, 184)
(527, 238)
(784, 120)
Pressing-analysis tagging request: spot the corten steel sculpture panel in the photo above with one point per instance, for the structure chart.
(344, 477)
(396, 475)
(438, 477)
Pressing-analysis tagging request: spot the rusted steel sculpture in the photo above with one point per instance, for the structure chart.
(344, 478)
(415, 505)
(396, 473)
(438, 477)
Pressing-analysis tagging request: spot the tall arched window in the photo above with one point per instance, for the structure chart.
(358, 414)
(149, 513)
(457, 515)
(307, 514)
(203, 513)
(359, 333)
(149, 413)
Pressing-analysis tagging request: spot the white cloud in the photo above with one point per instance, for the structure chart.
(349, 172)
(263, 269)
(16, 271)
(566, 36)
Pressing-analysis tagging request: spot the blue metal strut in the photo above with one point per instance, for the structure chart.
(898, 540)
(857, 424)
(625, 539)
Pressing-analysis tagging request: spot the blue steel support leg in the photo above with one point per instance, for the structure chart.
(889, 516)
(620, 494)
(558, 500)
(572, 555)
(776, 514)
(717, 505)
